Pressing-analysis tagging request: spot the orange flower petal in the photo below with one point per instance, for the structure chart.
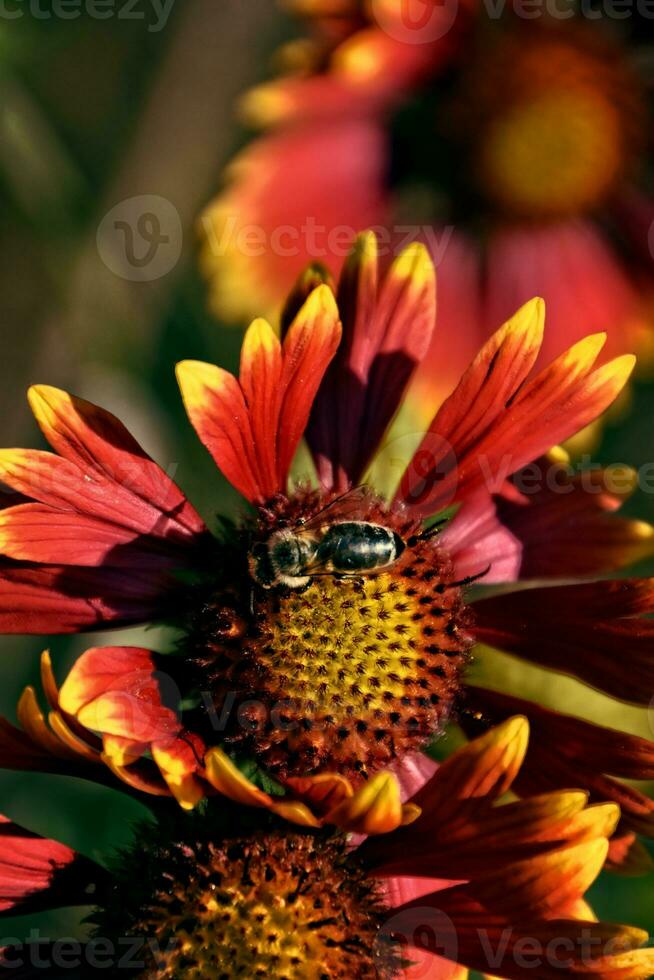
(473, 409)
(309, 346)
(122, 751)
(542, 886)
(375, 808)
(59, 726)
(98, 443)
(387, 330)
(470, 451)
(137, 779)
(295, 812)
(181, 781)
(482, 770)
(48, 682)
(33, 723)
(230, 781)
(322, 792)
(218, 412)
(260, 379)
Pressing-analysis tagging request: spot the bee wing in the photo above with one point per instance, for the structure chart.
(343, 508)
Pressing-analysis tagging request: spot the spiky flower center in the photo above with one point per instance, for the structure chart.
(344, 672)
(269, 904)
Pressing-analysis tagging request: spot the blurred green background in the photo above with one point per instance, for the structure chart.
(93, 112)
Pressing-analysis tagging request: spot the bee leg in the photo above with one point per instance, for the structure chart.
(469, 579)
(358, 582)
(429, 532)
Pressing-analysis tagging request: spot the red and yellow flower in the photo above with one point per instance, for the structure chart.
(308, 701)
(523, 167)
(477, 882)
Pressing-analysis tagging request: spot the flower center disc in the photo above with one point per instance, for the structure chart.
(551, 119)
(555, 155)
(351, 672)
(284, 906)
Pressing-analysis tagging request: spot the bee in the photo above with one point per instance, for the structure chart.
(327, 544)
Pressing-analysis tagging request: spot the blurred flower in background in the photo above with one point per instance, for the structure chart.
(518, 147)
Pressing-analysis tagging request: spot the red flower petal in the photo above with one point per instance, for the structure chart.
(567, 752)
(476, 405)
(490, 426)
(387, 331)
(309, 346)
(477, 541)
(102, 448)
(260, 380)
(218, 412)
(592, 746)
(38, 533)
(565, 521)
(116, 691)
(252, 429)
(592, 621)
(36, 873)
(68, 599)
(298, 209)
(627, 856)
